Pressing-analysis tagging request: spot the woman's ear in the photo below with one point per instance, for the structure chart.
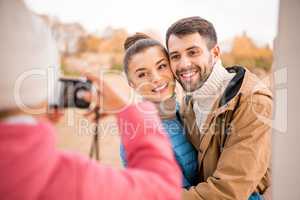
(130, 83)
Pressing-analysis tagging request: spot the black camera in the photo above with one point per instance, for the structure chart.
(71, 92)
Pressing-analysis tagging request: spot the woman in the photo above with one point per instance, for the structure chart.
(147, 67)
(31, 167)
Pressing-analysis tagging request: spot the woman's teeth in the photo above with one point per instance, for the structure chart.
(160, 88)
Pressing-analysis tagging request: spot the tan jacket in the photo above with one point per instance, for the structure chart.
(235, 146)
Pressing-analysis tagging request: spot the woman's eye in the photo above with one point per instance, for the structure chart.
(162, 66)
(141, 75)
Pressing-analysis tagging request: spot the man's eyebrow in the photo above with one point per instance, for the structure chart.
(192, 47)
(173, 52)
(159, 61)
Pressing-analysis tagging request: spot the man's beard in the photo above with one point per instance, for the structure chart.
(193, 85)
(202, 72)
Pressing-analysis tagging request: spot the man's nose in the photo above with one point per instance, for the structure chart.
(185, 63)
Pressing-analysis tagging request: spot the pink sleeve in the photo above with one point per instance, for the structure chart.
(153, 172)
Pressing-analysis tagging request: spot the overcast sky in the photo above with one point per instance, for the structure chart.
(230, 17)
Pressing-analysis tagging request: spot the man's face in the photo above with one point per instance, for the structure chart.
(191, 60)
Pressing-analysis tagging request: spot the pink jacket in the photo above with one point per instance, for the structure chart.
(32, 168)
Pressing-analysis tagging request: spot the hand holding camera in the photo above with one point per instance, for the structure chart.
(91, 93)
(94, 94)
(105, 98)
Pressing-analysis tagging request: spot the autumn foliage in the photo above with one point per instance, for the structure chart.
(244, 52)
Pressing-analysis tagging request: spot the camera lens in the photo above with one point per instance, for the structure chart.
(80, 94)
(72, 93)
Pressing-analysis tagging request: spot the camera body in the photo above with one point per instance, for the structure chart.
(71, 92)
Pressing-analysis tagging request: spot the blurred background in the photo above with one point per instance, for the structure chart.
(90, 35)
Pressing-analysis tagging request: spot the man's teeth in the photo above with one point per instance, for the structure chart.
(188, 74)
(160, 87)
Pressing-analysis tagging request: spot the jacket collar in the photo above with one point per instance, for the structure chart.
(227, 101)
(234, 85)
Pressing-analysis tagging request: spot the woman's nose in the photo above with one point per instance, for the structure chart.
(155, 77)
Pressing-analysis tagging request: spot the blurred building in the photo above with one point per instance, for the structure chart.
(67, 35)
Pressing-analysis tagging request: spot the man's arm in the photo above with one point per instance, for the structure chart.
(246, 155)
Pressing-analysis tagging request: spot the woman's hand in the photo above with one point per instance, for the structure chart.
(55, 114)
(105, 100)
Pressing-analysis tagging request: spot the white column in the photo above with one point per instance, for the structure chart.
(286, 134)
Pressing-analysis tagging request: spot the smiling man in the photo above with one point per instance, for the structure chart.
(227, 114)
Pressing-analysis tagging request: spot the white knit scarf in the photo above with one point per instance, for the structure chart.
(207, 94)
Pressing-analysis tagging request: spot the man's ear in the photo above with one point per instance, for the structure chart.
(216, 51)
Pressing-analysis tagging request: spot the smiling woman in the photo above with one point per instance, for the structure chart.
(147, 66)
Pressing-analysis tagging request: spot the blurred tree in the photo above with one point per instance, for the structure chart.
(89, 43)
(244, 52)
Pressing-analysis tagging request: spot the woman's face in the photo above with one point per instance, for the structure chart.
(150, 75)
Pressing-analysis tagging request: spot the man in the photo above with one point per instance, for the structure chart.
(31, 167)
(225, 113)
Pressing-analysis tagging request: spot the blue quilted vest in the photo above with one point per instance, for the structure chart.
(184, 152)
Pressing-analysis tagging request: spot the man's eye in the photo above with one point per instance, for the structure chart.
(174, 57)
(193, 53)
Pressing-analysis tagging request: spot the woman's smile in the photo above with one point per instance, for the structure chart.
(161, 88)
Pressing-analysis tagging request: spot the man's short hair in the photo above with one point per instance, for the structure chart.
(192, 25)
